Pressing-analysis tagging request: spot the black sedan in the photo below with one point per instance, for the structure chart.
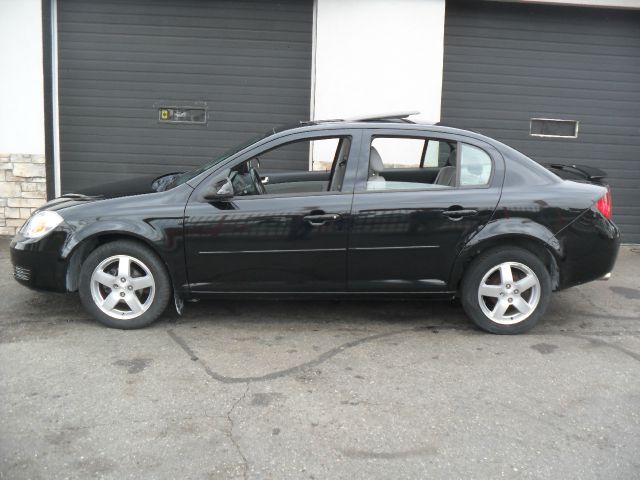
(376, 207)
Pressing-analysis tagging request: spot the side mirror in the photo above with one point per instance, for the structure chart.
(221, 191)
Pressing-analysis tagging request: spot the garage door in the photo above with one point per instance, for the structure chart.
(505, 64)
(157, 86)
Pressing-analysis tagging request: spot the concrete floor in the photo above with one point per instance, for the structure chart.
(322, 390)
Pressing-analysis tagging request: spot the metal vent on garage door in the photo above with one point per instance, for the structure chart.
(505, 64)
(247, 64)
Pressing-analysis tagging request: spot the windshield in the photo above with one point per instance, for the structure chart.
(185, 177)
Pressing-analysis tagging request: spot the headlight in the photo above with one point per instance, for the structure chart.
(41, 223)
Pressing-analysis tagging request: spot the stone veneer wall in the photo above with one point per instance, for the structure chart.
(23, 188)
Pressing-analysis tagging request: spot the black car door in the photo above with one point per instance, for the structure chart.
(406, 234)
(290, 239)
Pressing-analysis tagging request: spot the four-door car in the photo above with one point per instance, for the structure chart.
(379, 207)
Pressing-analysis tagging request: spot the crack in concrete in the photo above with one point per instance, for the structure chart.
(323, 357)
(245, 463)
(359, 341)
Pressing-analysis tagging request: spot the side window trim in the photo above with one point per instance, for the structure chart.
(424, 152)
(458, 157)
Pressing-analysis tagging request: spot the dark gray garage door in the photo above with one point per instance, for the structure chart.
(248, 64)
(507, 63)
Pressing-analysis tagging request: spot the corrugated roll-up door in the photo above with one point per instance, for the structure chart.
(246, 63)
(505, 64)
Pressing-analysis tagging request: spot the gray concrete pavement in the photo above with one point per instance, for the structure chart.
(322, 390)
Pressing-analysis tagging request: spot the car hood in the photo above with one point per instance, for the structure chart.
(133, 186)
(125, 188)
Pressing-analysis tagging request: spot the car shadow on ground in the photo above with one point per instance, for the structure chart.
(356, 313)
(44, 308)
(54, 308)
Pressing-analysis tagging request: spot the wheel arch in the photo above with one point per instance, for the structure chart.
(537, 240)
(82, 248)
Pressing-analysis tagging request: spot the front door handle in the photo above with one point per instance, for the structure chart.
(459, 214)
(317, 220)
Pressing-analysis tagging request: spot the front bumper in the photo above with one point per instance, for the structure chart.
(37, 263)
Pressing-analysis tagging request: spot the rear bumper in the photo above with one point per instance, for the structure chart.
(589, 248)
(37, 264)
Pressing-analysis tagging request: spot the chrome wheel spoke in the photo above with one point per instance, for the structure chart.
(124, 266)
(521, 305)
(490, 290)
(526, 283)
(140, 283)
(134, 303)
(111, 300)
(505, 274)
(104, 278)
(499, 309)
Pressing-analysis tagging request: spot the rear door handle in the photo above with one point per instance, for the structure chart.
(459, 214)
(317, 220)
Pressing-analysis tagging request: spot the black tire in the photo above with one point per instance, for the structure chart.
(140, 255)
(485, 263)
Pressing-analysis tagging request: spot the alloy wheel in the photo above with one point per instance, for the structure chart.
(122, 287)
(509, 293)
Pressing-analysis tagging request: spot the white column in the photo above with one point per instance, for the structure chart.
(22, 162)
(378, 56)
(21, 78)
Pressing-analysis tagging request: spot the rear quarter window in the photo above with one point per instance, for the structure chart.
(475, 166)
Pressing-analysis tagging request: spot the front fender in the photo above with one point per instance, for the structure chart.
(78, 233)
(516, 231)
(162, 235)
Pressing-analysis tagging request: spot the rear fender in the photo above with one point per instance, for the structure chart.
(520, 232)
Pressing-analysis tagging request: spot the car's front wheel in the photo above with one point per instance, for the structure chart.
(506, 291)
(123, 284)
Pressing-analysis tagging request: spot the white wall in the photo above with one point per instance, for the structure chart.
(21, 82)
(378, 56)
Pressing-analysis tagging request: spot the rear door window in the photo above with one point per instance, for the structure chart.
(410, 163)
(399, 152)
(413, 163)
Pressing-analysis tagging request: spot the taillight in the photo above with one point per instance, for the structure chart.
(604, 205)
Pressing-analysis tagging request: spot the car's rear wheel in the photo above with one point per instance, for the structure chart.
(123, 284)
(506, 291)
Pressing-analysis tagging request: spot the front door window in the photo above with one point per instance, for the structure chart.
(303, 167)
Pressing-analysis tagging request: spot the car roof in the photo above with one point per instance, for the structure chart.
(396, 124)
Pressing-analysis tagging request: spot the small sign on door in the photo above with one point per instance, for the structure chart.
(193, 115)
